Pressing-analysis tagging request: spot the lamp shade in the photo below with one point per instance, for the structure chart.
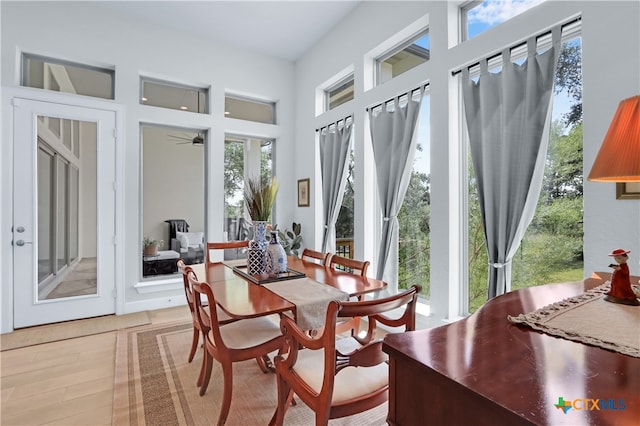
(619, 157)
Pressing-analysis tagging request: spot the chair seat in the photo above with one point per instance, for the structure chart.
(236, 337)
(350, 382)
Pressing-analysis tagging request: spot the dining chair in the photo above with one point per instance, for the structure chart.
(315, 256)
(227, 245)
(223, 318)
(358, 267)
(340, 377)
(235, 342)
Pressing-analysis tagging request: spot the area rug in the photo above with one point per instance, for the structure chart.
(589, 319)
(70, 330)
(155, 385)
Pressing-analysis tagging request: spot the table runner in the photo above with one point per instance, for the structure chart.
(588, 318)
(310, 297)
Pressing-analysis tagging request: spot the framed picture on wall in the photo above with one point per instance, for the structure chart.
(628, 190)
(303, 192)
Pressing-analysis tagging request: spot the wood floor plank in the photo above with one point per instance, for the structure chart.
(67, 382)
(59, 411)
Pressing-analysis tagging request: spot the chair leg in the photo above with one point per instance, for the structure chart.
(207, 373)
(227, 373)
(203, 366)
(265, 364)
(285, 398)
(194, 343)
(278, 417)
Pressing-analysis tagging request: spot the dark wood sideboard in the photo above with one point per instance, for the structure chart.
(484, 370)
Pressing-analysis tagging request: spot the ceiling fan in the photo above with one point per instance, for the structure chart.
(198, 139)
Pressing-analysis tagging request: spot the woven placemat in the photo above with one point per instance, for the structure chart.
(588, 318)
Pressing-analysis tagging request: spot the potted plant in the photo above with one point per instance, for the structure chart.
(290, 240)
(151, 246)
(259, 197)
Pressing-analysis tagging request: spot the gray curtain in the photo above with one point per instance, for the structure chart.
(508, 116)
(334, 148)
(394, 147)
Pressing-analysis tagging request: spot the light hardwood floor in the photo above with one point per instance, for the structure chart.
(68, 382)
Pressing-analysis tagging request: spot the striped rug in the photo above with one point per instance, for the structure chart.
(155, 385)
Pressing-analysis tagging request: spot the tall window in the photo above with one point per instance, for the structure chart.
(173, 189)
(244, 157)
(415, 214)
(552, 248)
(344, 223)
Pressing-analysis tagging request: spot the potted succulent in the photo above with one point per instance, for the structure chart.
(151, 246)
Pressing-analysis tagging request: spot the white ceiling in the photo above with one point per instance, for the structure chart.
(285, 29)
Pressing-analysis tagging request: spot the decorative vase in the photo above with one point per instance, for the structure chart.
(276, 262)
(257, 247)
(260, 233)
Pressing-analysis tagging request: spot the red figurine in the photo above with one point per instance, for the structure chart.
(621, 291)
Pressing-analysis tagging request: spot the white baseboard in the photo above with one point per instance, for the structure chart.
(153, 304)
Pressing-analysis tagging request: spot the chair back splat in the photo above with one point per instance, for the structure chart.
(358, 267)
(227, 245)
(315, 256)
(322, 371)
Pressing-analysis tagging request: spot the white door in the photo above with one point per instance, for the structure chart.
(64, 212)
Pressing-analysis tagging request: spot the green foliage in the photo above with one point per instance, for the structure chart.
(414, 243)
(552, 247)
(148, 241)
(563, 173)
(260, 196)
(234, 174)
(569, 77)
(344, 223)
(290, 240)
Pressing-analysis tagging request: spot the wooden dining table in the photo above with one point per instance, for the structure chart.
(241, 298)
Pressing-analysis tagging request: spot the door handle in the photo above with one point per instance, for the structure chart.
(22, 242)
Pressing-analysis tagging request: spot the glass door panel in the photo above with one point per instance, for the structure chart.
(64, 270)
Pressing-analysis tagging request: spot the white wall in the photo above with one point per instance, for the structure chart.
(611, 60)
(86, 33)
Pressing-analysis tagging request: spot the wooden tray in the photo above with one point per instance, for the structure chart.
(291, 274)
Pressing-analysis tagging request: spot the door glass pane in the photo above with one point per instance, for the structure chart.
(66, 191)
